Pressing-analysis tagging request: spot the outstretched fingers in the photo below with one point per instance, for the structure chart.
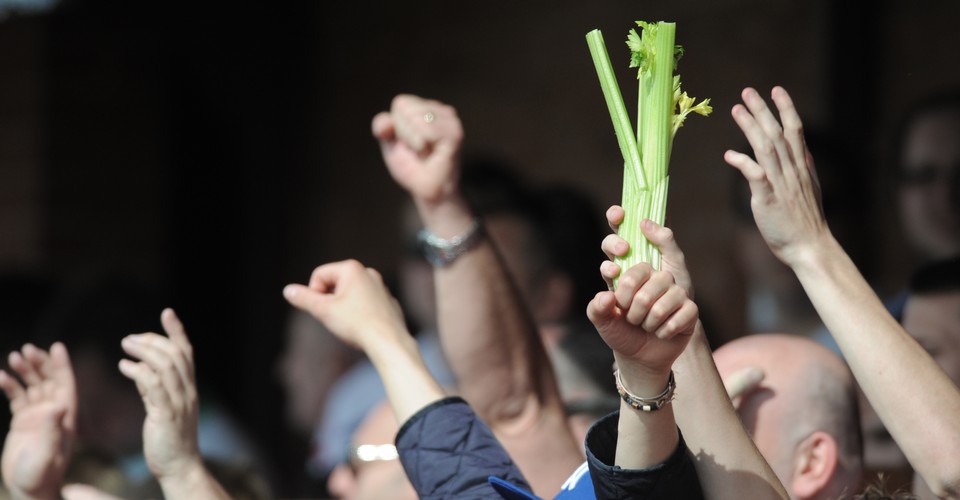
(156, 399)
(178, 336)
(59, 369)
(162, 369)
(15, 392)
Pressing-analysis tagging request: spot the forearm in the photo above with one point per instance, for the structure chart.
(406, 380)
(494, 349)
(644, 438)
(713, 431)
(489, 338)
(914, 398)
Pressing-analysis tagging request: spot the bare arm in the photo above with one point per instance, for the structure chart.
(647, 322)
(164, 375)
(353, 303)
(914, 398)
(489, 338)
(727, 461)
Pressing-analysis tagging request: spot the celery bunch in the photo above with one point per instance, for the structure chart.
(661, 110)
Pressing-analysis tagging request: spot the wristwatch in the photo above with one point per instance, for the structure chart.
(441, 252)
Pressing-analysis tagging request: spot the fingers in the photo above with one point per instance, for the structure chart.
(615, 216)
(609, 271)
(383, 127)
(325, 278)
(682, 321)
(61, 372)
(743, 381)
(647, 297)
(614, 246)
(770, 126)
(753, 172)
(631, 282)
(163, 368)
(424, 124)
(13, 390)
(156, 399)
(306, 300)
(26, 369)
(792, 126)
(178, 335)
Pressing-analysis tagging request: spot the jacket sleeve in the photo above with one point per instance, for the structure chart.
(675, 478)
(448, 452)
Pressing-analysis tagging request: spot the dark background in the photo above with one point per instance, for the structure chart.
(219, 151)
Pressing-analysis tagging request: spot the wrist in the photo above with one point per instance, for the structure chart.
(445, 217)
(641, 379)
(386, 342)
(191, 477)
(813, 254)
(822, 262)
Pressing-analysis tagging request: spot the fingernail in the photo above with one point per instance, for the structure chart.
(289, 291)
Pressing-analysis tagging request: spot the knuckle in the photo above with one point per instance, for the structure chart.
(766, 147)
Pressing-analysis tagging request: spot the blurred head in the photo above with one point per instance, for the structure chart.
(312, 360)
(375, 475)
(548, 237)
(928, 168)
(932, 313)
(803, 416)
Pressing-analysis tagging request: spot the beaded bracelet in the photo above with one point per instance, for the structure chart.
(647, 404)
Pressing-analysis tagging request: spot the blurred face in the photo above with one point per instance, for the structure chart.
(934, 320)
(376, 475)
(930, 184)
(309, 365)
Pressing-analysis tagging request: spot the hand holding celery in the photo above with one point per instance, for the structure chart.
(661, 109)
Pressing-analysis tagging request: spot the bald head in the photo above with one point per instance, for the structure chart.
(803, 413)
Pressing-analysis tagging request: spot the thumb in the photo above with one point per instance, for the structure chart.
(673, 258)
(602, 310)
(383, 127)
(307, 300)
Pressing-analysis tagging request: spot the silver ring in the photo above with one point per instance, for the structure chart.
(429, 117)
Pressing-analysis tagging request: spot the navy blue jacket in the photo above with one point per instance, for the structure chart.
(448, 452)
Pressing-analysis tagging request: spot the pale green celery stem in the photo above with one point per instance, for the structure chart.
(656, 92)
(618, 112)
(635, 202)
(656, 104)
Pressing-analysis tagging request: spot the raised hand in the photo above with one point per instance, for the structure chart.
(351, 300)
(420, 141)
(647, 321)
(785, 193)
(165, 378)
(37, 448)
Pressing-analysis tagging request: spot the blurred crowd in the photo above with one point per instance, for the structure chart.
(512, 357)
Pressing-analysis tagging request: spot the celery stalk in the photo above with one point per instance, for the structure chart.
(661, 109)
(618, 112)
